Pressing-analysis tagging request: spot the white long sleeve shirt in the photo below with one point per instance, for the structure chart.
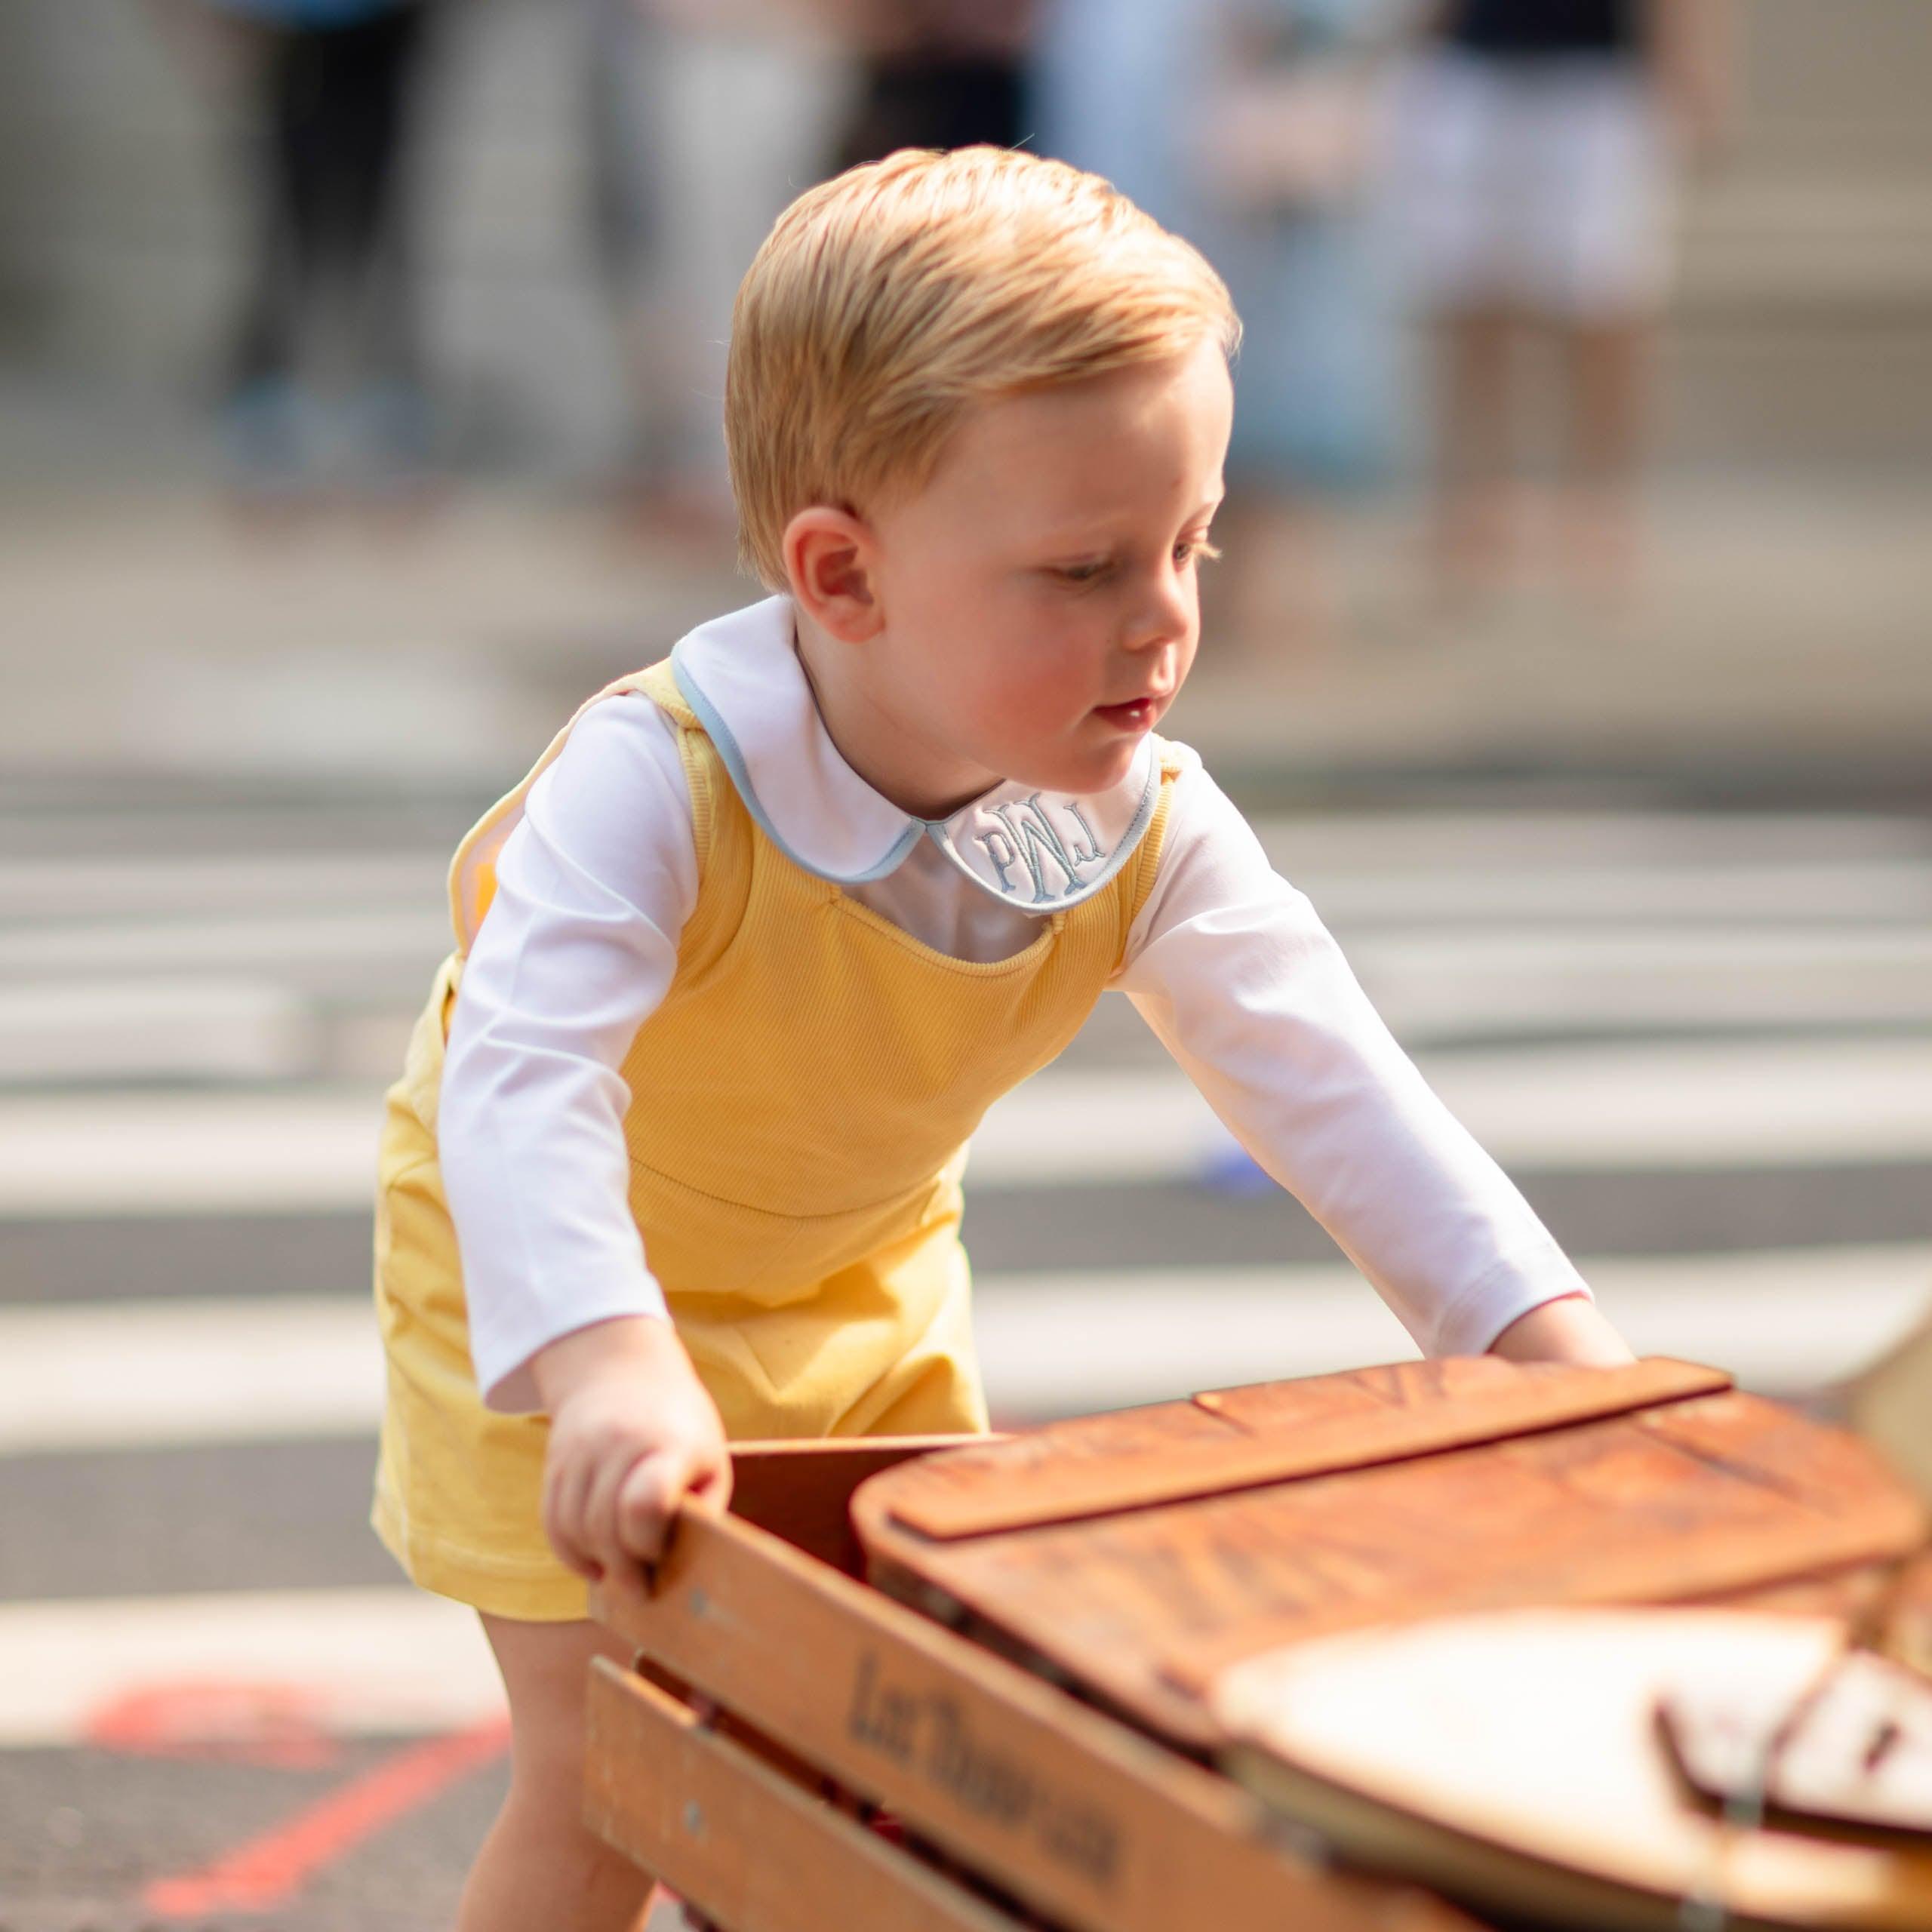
(1227, 962)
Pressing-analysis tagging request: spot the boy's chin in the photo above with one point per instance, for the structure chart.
(1096, 770)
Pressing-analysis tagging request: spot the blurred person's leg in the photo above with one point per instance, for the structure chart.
(541, 1865)
(266, 426)
(369, 86)
(627, 73)
(1478, 353)
(1457, 197)
(1602, 266)
(1607, 374)
(1318, 422)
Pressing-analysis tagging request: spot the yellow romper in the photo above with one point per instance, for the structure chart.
(804, 1094)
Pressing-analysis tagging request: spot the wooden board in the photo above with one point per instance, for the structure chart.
(802, 1490)
(1144, 1608)
(1092, 1825)
(688, 1805)
(1515, 1761)
(1274, 1431)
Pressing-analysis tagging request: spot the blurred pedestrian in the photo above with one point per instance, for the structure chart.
(335, 87)
(935, 74)
(1256, 128)
(700, 116)
(630, 175)
(1536, 153)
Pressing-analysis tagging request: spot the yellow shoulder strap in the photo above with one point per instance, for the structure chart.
(1174, 760)
(472, 881)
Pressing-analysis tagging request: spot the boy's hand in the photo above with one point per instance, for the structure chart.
(1568, 1329)
(633, 1437)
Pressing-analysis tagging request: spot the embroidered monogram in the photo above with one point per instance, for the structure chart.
(1029, 834)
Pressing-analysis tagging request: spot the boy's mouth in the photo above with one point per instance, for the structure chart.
(1137, 714)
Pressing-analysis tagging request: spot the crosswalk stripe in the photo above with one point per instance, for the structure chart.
(117, 1375)
(224, 1027)
(1878, 892)
(1389, 888)
(128, 889)
(353, 1662)
(1791, 1320)
(1796, 1102)
(1511, 839)
(229, 941)
(186, 1153)
(121, 1375)
(1441, 987)
(1606, 1106)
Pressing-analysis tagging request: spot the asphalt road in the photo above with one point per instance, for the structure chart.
(1698, 1043)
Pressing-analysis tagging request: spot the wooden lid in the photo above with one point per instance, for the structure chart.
(1138, 1554)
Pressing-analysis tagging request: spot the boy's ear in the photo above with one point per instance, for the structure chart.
(829, 563)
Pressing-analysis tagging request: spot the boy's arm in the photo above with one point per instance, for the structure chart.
(580, 942)
(1242, 983)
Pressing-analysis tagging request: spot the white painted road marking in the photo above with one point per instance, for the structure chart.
(118, 1375)
(366, 1663)
(127, 1374)
(1602, 1106)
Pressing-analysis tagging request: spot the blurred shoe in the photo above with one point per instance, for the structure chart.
(390, 430)
(268, 438)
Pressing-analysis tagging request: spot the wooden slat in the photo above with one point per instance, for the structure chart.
(802, 1490)
(1279, 1431)
(1714, 1493)
(1078, 1817)
(741, 1841)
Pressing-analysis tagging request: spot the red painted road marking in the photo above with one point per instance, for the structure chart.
(283, 1725)
(268, 1870)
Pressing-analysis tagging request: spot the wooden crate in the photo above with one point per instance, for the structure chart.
(1025, 1685)
(810, 1697)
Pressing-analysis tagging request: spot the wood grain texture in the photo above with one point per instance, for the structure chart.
(1276, 1432)
(741, 1842)
(1088, 1822)
(1142, 1609)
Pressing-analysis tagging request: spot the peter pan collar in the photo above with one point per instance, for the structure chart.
(1042, 851)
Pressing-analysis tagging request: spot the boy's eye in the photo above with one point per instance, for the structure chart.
(1194, 550)
(1089, 572)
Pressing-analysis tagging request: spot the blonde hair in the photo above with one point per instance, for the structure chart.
(885, 302)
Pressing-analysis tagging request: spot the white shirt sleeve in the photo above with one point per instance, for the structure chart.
(594, 887)
(1245, 987)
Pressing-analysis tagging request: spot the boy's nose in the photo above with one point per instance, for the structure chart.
(1165, 616)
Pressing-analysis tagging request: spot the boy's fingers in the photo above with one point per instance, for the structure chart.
(563, 1486)
(647, 1503)
(602, 1534)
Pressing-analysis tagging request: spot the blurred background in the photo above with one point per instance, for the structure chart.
(360, 363)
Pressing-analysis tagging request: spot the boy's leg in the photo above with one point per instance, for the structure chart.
(540, 1865)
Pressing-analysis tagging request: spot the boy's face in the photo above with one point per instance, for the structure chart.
(1039, 597)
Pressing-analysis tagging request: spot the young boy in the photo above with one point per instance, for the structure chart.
(774, 922)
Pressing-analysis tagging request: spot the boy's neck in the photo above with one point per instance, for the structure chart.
(922, 779)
